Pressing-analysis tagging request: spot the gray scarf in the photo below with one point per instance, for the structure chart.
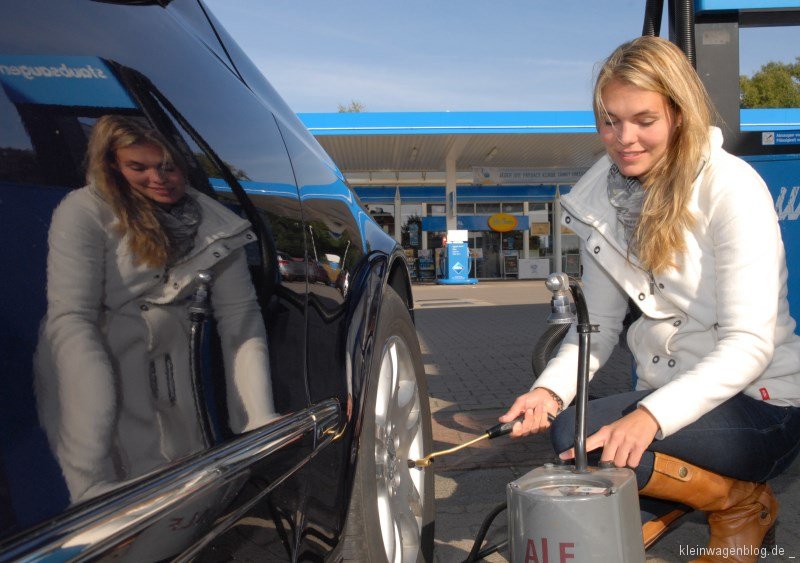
(180, 223)
(626, 195)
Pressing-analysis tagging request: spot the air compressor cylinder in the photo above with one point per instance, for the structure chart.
(558, 515)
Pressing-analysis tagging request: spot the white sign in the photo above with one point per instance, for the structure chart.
(534, 268)
(457, 236)
(487, 175)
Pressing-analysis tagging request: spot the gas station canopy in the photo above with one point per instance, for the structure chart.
(394, 149)
(397, 148)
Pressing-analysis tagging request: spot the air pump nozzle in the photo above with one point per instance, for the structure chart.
(494, 432)
(562, 310)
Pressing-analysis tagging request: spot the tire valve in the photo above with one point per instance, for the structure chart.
(494, 432)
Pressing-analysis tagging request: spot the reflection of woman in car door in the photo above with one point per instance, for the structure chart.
(114, 380)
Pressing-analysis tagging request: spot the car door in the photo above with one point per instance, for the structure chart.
(64, 66)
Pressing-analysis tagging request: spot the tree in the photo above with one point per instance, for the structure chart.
(774, 85)
(353, 107)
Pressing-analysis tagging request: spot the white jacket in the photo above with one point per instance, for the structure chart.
(717, 325)
(113, 376)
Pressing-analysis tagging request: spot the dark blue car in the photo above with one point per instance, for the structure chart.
(326, 480)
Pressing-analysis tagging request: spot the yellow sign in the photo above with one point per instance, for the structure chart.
(539, 229)
(502, 222)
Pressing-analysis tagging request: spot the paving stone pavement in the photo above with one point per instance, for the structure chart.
(476, 345)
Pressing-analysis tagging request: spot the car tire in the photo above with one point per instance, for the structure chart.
(391, 514)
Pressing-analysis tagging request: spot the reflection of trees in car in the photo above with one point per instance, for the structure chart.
(211, 170)
(284, 232)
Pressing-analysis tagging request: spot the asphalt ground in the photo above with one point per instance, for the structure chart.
(476, 345)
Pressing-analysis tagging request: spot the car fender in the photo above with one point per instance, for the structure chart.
(380, 272)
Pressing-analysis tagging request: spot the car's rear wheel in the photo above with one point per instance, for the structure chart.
(392, 511)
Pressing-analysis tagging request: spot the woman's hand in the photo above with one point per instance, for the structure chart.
(623, 441)
(536, 405)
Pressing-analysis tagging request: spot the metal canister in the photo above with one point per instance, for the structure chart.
(558, 515)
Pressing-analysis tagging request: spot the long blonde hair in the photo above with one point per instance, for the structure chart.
(656, 65)
(136, 214)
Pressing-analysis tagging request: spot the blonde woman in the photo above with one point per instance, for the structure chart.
(113, 373)
(687, 231)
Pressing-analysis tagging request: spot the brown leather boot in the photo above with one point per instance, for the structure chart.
(654, 529)
(741, 513)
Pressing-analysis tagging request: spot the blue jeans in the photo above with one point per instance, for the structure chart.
(743, 438)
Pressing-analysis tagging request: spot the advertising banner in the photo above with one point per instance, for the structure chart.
(488, 175)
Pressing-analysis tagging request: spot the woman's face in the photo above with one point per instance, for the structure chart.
(638, 128)
(144, 168)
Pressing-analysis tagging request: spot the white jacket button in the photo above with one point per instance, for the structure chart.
(568, 219)
(676, 323)
(656, 359)
(641, 297)
(671, 363)
(144, 307)
(216, 255)
(596, 249)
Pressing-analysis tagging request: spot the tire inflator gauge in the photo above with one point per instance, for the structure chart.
(561, 512)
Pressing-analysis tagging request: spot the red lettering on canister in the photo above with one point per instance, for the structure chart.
(532, 555)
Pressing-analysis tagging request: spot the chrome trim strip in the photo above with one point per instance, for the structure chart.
(92, 529)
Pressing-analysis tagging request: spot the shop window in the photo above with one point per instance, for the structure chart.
(410, 232)
(410, 212)
(569, 243)
(384, 218)
(512, 208)
(466, 208)
(435, 239)
(512, 241)
(487, 208)
(539, 213)
(436, 210)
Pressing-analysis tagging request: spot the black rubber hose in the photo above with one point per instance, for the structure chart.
(652, 17)
(685, 24)
(545, 347)
(475, 553)
(491, 549)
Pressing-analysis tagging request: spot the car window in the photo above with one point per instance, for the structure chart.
(80, 415)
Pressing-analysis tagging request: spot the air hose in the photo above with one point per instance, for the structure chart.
(545, 346)
(685, 33)
(652, 17)
(476, 554)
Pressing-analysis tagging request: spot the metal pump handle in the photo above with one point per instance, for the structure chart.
(563, 313)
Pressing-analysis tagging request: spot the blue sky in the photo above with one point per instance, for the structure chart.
(437, 55)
